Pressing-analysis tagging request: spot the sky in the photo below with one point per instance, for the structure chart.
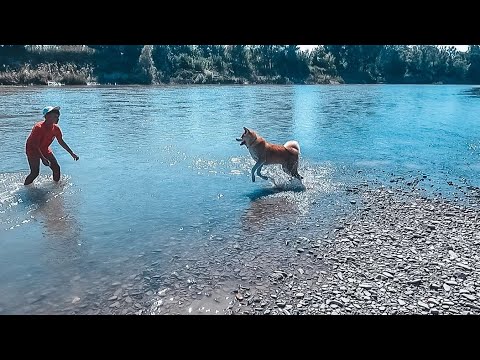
(459, 47)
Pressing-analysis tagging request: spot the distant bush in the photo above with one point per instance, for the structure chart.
(73, 79)
(239, 64)
(28, 76)
(8, 78)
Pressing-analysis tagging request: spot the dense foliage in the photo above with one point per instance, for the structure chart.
(238, 64)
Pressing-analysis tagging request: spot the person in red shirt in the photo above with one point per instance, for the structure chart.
(38, 144)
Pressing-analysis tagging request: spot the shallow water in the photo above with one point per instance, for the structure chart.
(161, 177)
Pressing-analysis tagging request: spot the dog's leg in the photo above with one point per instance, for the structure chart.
(295, 171)
(255, 167)
(292, 170)
(259, 174)
(286, 169)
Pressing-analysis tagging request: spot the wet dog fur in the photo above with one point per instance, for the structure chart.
(265, 153)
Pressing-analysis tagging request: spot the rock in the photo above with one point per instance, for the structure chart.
(469, 297)
(116, 304)
(460, 275)
(435, 286)
(277, 276)
(434, 301)
(335, 303)
(415, 282)
(422, 304)
(452, 255)
(464, 266)
(473, 306)
(365, 285)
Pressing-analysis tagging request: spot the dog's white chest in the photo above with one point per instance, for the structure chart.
(254, 154)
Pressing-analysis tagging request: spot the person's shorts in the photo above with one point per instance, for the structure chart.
(32, 154)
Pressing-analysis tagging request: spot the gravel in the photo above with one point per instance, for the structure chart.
(401, 252)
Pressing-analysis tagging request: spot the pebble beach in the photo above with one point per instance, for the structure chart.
(394, 250)
(399, 251)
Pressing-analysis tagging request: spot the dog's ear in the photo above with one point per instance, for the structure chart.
(246, 130)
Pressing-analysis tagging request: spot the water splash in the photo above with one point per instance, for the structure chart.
(18, 203)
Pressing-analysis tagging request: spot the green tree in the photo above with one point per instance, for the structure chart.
(162, 57)
(238, 58)
(473, 74)
(392, 63)
(147, 69)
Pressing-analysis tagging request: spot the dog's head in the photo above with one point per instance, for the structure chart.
(247, 137)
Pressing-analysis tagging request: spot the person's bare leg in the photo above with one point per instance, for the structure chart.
(34, 163)
(54, 166)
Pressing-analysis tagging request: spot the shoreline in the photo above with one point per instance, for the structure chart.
(393, 249)
(400, 252)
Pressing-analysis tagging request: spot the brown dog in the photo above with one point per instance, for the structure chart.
(265, 153)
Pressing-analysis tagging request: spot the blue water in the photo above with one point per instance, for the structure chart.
(161, 177)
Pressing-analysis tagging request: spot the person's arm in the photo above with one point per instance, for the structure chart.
(65, 146)
(45, 161)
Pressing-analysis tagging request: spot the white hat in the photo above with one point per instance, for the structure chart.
(47, 109)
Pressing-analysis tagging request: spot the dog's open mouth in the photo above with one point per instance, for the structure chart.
(242, 142)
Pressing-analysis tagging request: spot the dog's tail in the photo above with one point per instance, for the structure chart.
(292, 146)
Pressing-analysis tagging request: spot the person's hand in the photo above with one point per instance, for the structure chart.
(46, 162)
(75, 157)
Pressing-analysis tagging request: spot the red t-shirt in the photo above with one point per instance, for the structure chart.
(42, 136)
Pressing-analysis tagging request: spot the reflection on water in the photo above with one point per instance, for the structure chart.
(265, 211)
(284, 201)
(59, 223)
(474, 91)
(50, 208)
(44, 203)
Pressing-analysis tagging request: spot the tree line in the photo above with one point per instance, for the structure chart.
(237, 64)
